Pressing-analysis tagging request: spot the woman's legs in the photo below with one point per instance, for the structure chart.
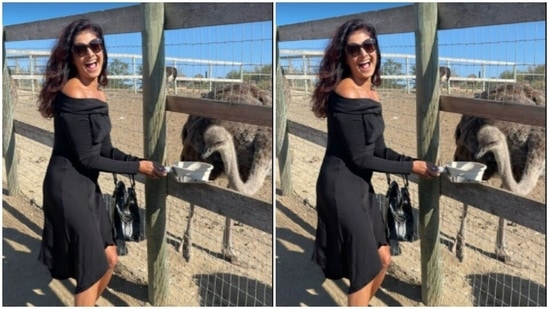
(112, 259)
(385, 256)
(363, 296)
(89, 297)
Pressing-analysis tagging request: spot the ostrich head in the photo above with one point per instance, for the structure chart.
(490, 139)
(216, 139)
(468, 145)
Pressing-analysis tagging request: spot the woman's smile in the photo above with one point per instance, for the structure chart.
(365, 65)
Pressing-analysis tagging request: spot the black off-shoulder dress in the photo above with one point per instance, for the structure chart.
(350, 226)
(76, 226)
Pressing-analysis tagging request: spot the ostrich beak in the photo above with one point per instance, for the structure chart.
(479, 154)
(206, 153)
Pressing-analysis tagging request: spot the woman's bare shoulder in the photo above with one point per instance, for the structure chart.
(347, 89)
(375, 95)
(74, 89)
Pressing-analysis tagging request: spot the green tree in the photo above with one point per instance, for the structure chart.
(198, 84)
(391, 67)
(535, 76)
(117, 68)
(507, 75)
(262, 77)
(234, 74)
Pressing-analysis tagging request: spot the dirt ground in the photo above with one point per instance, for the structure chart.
(206, 280)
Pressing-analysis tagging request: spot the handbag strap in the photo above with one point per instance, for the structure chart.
(132, 179)
(405, 176)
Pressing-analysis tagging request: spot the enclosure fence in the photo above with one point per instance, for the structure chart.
(479, 279)
(147, 116)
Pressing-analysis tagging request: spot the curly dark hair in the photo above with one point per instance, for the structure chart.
(60, 67)
(333, 67)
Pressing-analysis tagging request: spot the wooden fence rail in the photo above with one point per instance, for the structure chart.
(403, 19)
(130, 19)
(479, 195)
(248, 210)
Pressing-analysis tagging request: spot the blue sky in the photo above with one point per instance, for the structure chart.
(521, 43)
(289, 13)
(517, 43)
(250, 44)
(18, 12)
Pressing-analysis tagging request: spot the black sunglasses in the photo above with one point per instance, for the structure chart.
(368, 45)
(80, 49)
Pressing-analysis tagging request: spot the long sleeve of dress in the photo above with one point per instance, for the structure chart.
(91, 144)
(363, 141)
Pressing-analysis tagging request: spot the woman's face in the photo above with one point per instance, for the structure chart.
(360, 55)
(87, 55)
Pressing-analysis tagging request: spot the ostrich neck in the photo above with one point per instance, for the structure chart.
(503, 158)
(251, 186)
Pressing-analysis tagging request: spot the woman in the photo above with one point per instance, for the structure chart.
(351, 240)
(77, 239)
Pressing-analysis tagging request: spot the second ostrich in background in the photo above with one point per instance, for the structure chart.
(171, 75)
(514, 151)
(243, 152)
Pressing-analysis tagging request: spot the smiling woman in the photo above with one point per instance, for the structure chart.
(89, 61)
(351, 240)
(77, 238)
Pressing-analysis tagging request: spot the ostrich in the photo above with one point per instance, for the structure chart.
(514, 151)
(243, 152)
(445, 74)
(171, 75)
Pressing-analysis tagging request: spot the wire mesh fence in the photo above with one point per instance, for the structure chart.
(480, 279)
(206, 279)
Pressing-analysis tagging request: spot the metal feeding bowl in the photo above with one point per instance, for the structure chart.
(191, 171)
(464, 171)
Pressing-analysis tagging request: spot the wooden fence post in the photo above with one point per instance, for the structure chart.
(283, 153)
(428, 131)
(9, 151)
(154, 134)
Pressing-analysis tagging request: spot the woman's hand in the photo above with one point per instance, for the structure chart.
(425, 169)
(152, 169)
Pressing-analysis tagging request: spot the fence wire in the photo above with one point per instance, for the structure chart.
(206, 279)
(480, 279)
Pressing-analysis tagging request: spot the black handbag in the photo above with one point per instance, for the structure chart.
(400, 219)
(123, 210)
(127, 221)
(121, 248)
